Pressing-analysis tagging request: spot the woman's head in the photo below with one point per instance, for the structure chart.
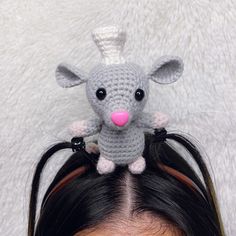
(168, 198)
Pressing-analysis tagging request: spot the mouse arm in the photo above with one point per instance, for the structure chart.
(155, 120)
(84, 128)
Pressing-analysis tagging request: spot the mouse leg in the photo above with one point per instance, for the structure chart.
(138, 166)
(105, 166)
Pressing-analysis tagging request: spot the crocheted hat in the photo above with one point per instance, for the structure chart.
(110, 42)
(118, 91)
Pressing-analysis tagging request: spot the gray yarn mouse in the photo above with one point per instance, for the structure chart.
(118, 91)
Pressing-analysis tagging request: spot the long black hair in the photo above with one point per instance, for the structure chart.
(79, 198)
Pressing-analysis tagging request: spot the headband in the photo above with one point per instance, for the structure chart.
(118, 91)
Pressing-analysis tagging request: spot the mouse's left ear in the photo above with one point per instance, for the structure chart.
(167, 70)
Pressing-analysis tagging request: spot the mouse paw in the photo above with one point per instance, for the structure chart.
(78, 128)
(138, 166)
(161, 120)
(105, 166)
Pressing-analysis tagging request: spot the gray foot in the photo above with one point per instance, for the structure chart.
(138, 166)
(105, 166)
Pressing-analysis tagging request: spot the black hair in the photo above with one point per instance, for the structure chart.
(168, 188)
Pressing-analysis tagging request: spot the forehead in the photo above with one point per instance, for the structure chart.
(128, 74)
(142, 225)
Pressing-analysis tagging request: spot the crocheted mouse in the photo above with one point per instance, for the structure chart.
(117, 91)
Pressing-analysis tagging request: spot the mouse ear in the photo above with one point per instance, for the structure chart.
(167, 70)
(69, 76)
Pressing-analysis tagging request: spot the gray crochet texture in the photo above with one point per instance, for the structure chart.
(120, 119)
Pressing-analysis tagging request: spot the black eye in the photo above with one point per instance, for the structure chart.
(101, 93)
(139, 94)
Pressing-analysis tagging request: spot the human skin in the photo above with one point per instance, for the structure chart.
(142, 225)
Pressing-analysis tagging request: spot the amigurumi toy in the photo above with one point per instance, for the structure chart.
(118, 91)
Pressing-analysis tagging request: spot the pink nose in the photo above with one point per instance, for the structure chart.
(120, 118)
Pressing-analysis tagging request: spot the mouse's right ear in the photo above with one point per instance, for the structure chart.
(69, 76)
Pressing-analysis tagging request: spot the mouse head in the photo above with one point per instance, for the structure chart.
(118, 90)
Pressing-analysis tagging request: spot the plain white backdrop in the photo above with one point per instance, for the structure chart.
(36, 35)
